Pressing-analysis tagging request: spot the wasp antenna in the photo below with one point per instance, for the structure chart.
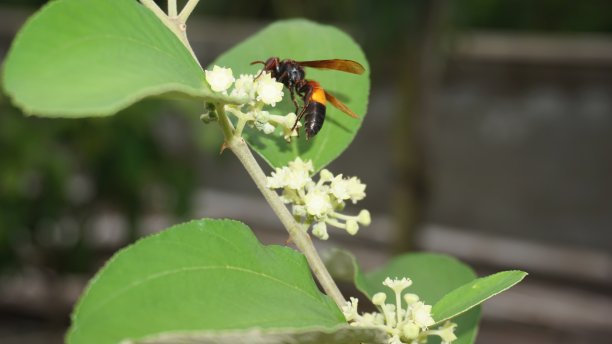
(256, 62)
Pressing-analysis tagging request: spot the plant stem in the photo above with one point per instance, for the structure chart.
(186, 11)
(174, 23)
(234, 142)
(172, 8)
(298, 235)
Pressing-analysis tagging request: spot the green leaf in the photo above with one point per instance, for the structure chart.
(433, 276)
(338, 335)
(199, 276)
(77, 58)
(474, 293)
(305, 40)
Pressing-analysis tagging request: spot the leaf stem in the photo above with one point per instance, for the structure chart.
(172, 8)
(186, 11)
(298, 235)
(174, 23)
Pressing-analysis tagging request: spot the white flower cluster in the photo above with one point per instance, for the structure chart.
(318, 203)
(258, 92)
(407, 325)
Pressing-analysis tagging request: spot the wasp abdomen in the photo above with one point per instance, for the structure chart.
(314, 116)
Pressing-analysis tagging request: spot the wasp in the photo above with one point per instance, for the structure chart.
(314, 98)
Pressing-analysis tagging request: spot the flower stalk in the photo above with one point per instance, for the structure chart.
(299, 237)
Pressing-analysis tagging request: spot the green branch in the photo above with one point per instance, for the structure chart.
(298, 235)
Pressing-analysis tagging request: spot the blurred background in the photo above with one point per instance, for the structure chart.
(488, 137)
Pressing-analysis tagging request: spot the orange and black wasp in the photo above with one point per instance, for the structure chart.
(291, 74)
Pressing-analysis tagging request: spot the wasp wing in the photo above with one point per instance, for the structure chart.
(340, 105)
(348, 66)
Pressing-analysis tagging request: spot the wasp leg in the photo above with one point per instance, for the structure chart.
(295, 103)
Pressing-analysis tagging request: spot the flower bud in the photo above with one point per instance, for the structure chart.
(352, 227)
(320, 230)
(379, 299)
(411, 298)
(410, 331)
(364, 217)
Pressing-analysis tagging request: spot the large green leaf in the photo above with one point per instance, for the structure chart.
(202, 275)
(78, 58)
(433, 276)
(305, 40)
(338, 335)
(474, 293)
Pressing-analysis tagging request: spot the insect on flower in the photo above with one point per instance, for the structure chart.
(291, 74)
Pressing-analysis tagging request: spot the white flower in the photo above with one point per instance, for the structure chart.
(447, 333)
(278, 179)
(317, 202)
(410, 331)
(372, 319)
(244, 87)
(299, 164)
(350, 309)
(269, 91)
(356, 189)
(325, 175)
(344, 189)
(320, 230)
(395, 340)
(219, 79)
(403, 325)
(339, 188)
(298, 210)
(287, 125)
(297, 178)
(397, 284)
(421, 314)
(267, 128)
(313, 202)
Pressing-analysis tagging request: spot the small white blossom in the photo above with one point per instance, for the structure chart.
(395, 340)
(297, 178)
(403, 324)
(299, 164)
(447, 333)
(278, 179)
(397, 285)
(320, 230)
(314, 203)
(326, 176)
(356, 189)
(288, 122)
(244, 87)
(269, 91)
(268, 128)
(350, 309)
(339, 187)
(421, 313)
(299, 210)
(317, 202)
(219, 79)
(410, 330)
